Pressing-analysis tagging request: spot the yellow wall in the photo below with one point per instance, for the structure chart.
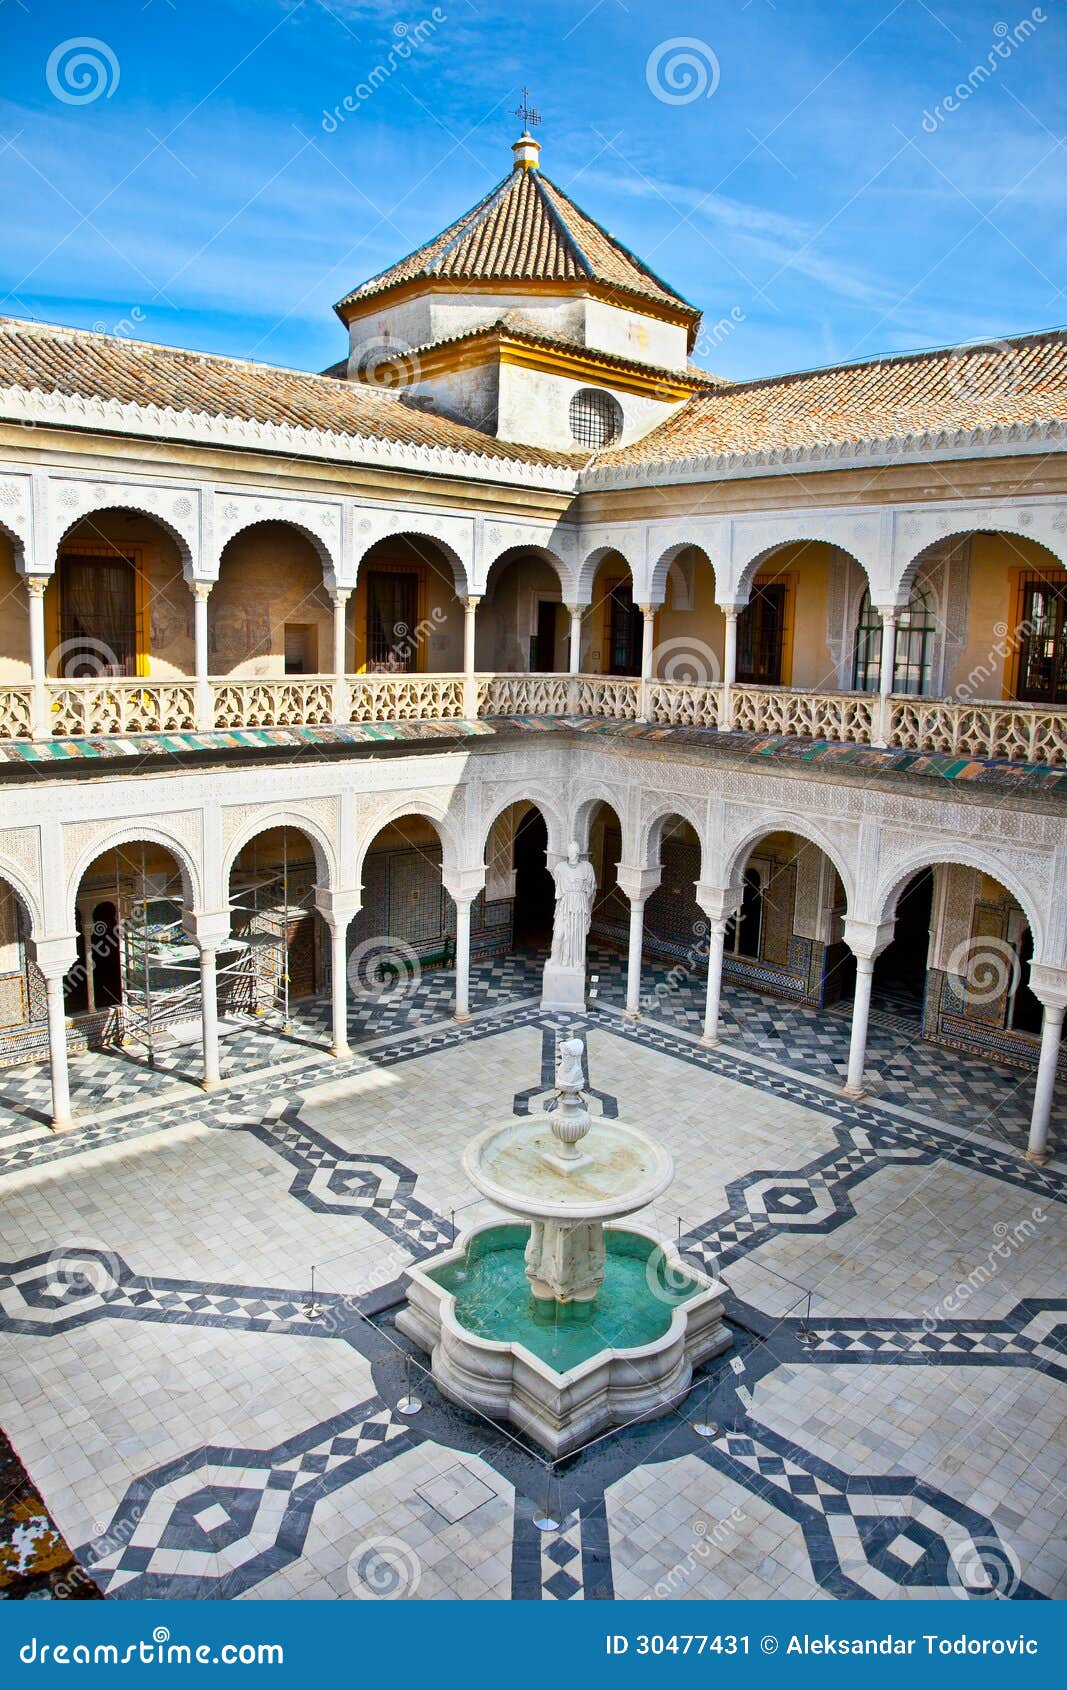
(438, 636)
(703, 626)
(14, 618)
(986, 667)
(270, 575)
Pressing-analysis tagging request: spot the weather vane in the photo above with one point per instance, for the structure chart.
(529, 114)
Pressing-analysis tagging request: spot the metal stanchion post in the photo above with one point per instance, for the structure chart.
(408, 1404)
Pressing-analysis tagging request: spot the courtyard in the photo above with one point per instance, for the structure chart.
(201, 1423)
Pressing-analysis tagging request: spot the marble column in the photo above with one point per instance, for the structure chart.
(886, 668)
(574, 611)
(57, 1052)
(41, 725)
(462, 1010)
(648, 636)
(716, 950)
(209, 1016)
(339, 602)
(205, 711)
(1045, 1086)
(470, 684)
(729, 663)
(633, 957)
(861, 1008)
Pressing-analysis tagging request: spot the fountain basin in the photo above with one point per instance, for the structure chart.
(563, 1373)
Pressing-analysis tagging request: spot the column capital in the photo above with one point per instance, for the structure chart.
(337, 908)
(36, 585)
(890, 612)
(718, 903)
(1049, 986)
(470, 601)
(202, 590)
(207, 928)
(647, 610)
(867, 939)
(339, 596)
(55, 955)
(577, 609)
(637, 884)
(464, 884)
(732, 611)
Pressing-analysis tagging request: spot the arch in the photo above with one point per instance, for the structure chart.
(665, 564)
(317, 542)
(1015, 530)
(512, 554)
(321, 844)
(588, 572)
(583, 815)
(456, 566)
(124, 503)
(412, 805)
(810, 537)
(541, 798)
(650, 844)
(136, 833)
(961, 855)
(738, 853)
(30, 903)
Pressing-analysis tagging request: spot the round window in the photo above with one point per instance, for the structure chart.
(596, 417)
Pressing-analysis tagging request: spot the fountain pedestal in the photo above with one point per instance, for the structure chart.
(568, 1323)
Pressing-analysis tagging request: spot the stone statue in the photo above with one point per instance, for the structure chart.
(575, 890)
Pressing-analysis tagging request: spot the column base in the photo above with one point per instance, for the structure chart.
(710, 1044)
(62, 1124)
(854, 1092)
(341, 1050)
(1039, 1158)
(631, 1015)
(461, 1015)
(210, 1084)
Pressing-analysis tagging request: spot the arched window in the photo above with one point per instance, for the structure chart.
(596, 417)
(914, 648)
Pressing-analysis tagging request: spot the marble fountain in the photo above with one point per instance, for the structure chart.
(563, 1321)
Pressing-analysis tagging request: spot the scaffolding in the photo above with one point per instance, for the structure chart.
(267, 904)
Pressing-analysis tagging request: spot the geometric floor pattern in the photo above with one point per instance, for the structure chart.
(202, 1424)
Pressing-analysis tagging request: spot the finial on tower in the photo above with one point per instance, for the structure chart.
(526, 150)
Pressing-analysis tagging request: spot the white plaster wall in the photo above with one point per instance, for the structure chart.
(633, 335)
(533, 408)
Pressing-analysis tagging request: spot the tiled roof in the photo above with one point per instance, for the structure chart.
(1002, 383)
(514, 326)
(525, 230)
(76, 362)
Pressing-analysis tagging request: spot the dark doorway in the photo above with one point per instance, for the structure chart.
(97, 616)
(625, 631)
(106, 963)
(900, 972)
(543, 644)
(1026, 1010)
(392, 613)
(535, 893)
(761, 635)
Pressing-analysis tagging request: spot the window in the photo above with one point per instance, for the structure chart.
(392, 618)
(744, 930)
(301, 647)
(1043, 647)
(596, 417)
(625, 630)
(761, 629)
(914, 647)
(98, 622)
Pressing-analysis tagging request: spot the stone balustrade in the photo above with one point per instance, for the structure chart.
(846, 717)
(1018, 733)
(81, 708)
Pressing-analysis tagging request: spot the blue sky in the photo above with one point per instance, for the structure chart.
(814, 185)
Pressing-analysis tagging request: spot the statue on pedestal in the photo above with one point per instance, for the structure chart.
(575, 891)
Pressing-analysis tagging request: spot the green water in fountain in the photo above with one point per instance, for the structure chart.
(634, 1305)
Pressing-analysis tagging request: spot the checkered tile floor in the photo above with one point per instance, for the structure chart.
(901, 1069)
